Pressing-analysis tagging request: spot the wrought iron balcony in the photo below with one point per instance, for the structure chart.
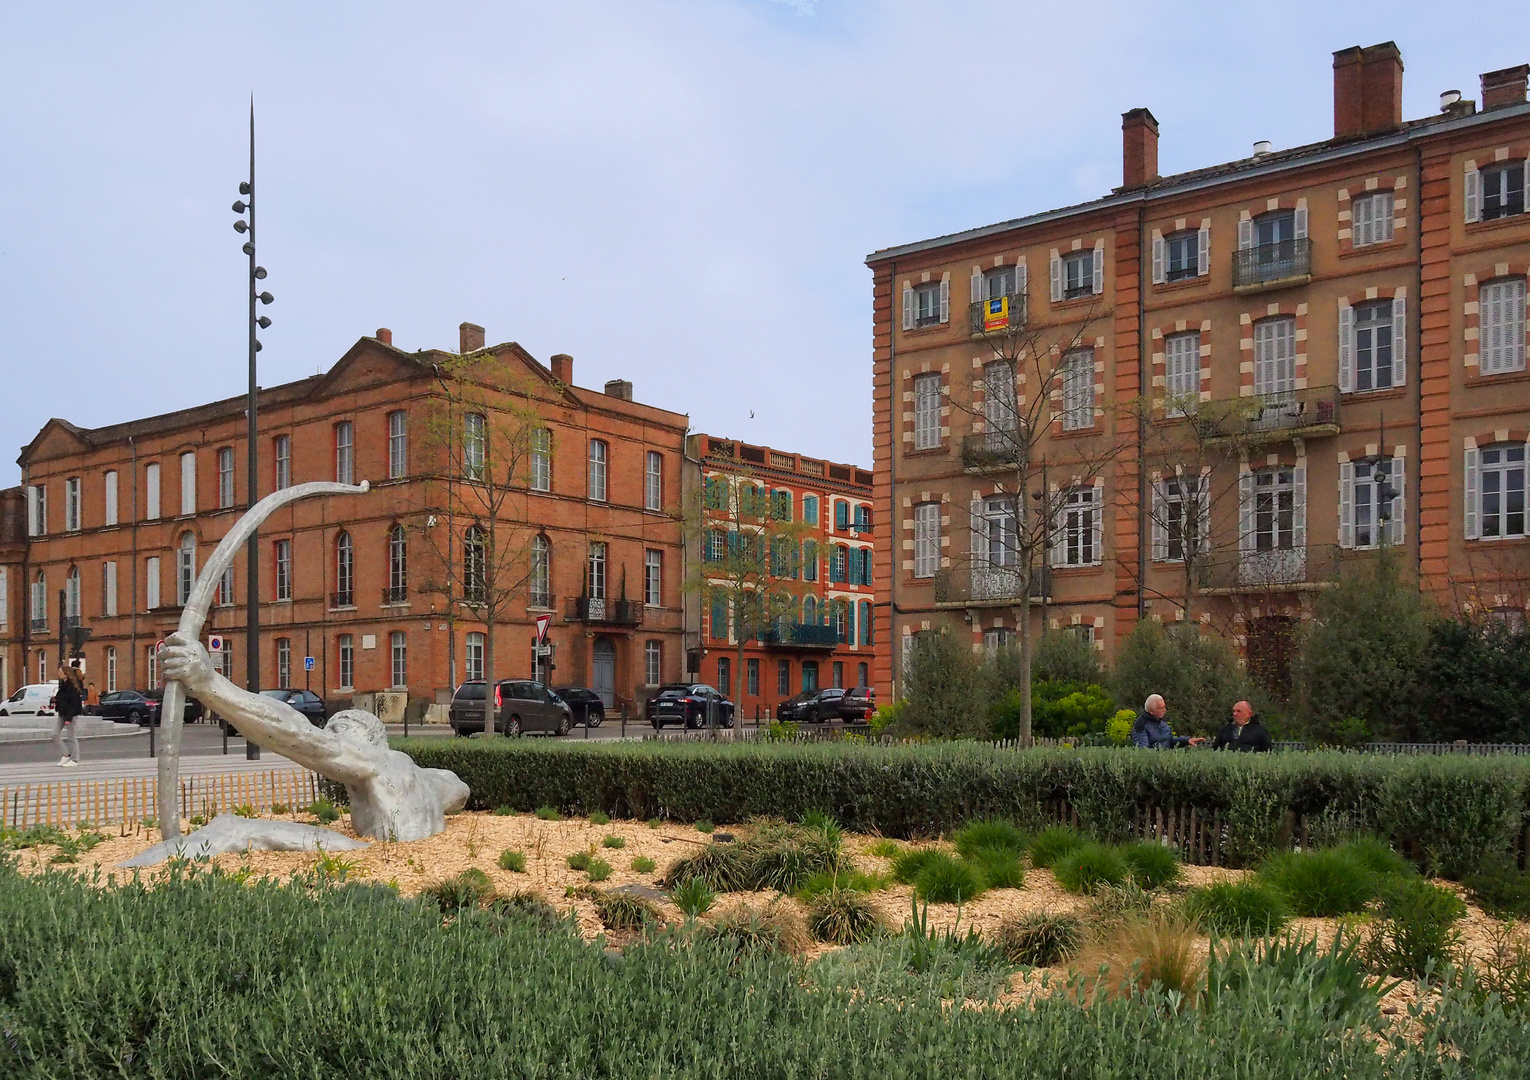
(39, 624)
(996, 316)
(1267, 266)
(344, 599)
(395, 594)
(990, 449)
(540, 599)
(595, 609)
(1296, 569)
(1310, 412)
(982, 585)
(801, 636)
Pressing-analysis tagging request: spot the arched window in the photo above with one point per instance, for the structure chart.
(398, 566)
(839, 619)
(345, 571)
(809, 611)
(541, 571)
(473, 584)
(72, 593)
(185, 567)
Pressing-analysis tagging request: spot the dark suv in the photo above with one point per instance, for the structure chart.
(586, 704)
(814, 706)
(858, 704)
(688, 704)
(520, 705)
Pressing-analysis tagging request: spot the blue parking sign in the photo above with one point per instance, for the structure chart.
(307, 663)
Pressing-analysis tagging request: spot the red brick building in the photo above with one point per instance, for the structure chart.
(369, 586)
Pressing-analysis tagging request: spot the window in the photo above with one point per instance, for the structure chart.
(110, 479)
(111, 669)
(595, 579)
(1078, 274)
(1077, 538)
(398, 445)
(151, 491)
(865, 622)
(188, 484)
(863, 674)
(1503, 191)
(1275, 356)
(927, 305)
(783, 677)
(841, 515)
(1372, 219)
(1498, 487)
(716, 493)
(810, 508)
(1370, 502)
(225, 477)
(719, 619)
(473, 565)
(598, 453)
(398, 565)
(541, 571)
(995, 532)
(926, 539)
(108, 588)
(284, 663)
(398, 647)
(1375, 331)
(473, 655)
(862, 519)
(72, 594)
(1182, 373)
(345, 571)
(653, 663)
(1078, 390)
(752, 675)
(724, 676)
(151, 582)
(809, 675)
(838, 673)
(185, 568)
(1001, 413)
(714, 545)
(1182, 255)
(37, 510)
(475, 449)
(839, 559)
(282, 455)
(72, 504)
(346, 648)
(226, 588)
(1273, 509)
(653, 481)
(810, 560)
(1501, 313)
(653, 578)
(809, 611)
(781, 505)
(541, 460)
(926, 412)
(1181, 518)
(5, 605)
(39, 602)
(345, 460)
(1273, 229)
(151, 666)
(998, 282)
(283, 582)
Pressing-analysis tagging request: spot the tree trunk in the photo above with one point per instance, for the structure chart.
(1025, 659)
(490, 713)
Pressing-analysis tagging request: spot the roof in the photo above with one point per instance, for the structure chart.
(758, 459)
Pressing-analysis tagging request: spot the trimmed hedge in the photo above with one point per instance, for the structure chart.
(1451, 811)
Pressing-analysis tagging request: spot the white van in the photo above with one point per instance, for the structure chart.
(33, 700)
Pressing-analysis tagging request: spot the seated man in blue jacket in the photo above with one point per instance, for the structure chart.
(1152, 731)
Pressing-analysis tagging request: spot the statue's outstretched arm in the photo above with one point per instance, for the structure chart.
(273, 723)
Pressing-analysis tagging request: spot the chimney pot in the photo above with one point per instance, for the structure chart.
(563, 368)
(1139, 148)
(1504, 87)
(469, 338)
(1262, 147)
(1449, 98)
(385, 335)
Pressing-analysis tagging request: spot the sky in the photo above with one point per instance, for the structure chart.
(681, 193)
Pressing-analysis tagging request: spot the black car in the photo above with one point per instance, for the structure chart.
(143, 707)
(586, 705)
(689, 705)
(520, 705)
(858, 704)
(814, 706)
(306, 702)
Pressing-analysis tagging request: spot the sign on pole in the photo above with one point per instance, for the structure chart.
(214, 643)
(543, 622)
(307, 663)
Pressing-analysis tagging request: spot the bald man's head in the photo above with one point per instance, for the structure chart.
(1242, 713)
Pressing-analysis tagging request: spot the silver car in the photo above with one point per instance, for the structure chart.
(520, 706)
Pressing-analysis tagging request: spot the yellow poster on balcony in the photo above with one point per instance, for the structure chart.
(996, 314)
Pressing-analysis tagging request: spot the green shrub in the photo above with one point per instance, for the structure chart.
(694, 897)
(947, 690)
(907, 864)
(469, 889)
(1152, 865)
(1053, 843)
(245, 810)
(1415, 931)
(1058, 709)
(843, 917)
(749, 931)
(624, 911)
(944, 880)
(597, 869)
(579, 860)
(1476, 676)
(1040, 939)
(1000, 867)
(1292, 968)
(642, 864)
(724, 867)
(324, 810)
(884, 849)
(654, 823)
(844, 880)
(989, 834)
(1238, 908)
(613, 842)
(777, 856)
(600, 818)
(1089, 866)
(549, 813)
(1377, 856)
(1062, 656)
(1501, 888)
(512, 860)
(1118, 729)
(1320, 883)
(705, 825)
(529, 906)
(1198, 674)
(280, 808)
(503, 811)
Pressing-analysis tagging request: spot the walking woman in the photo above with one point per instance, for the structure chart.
(68, 703)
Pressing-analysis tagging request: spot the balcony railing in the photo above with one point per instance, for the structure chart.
(1310, 411)
(802, 636)
(1271, 570)
(1270, 264)
(996, 316)
(599, 610)
(395, 594)
(540, 599)
(39, 624)
(989, 585)
(990, 449)
(346, 598)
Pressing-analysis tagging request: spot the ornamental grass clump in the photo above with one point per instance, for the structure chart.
(613, 842)
(1320, 884)
(467, 890)
(994, 834)
(1000, 867)
(744, 930)
(600, 818)
(624, 911)
(778, 856)
(1086, 868)
(512, 860)
(1053, 843)
(1151, 865)
(1247, 908)
(528, 906)
(642, 864)
(1040, 939)
(694, 897)
(849, 880)
(945, 880)
(597, 869)
(843, 917)
(884, 849)
(907, 864)
(1158, 951)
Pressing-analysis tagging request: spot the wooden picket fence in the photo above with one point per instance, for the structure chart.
(132, 799)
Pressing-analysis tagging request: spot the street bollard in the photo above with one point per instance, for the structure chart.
(151, 736)
(624, 719)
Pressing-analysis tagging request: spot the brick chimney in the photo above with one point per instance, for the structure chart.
(1367, 90)
(469, 338)
(1506, 87)
(619, 388)
(385, 335)
(563, 368)
(1139, 148)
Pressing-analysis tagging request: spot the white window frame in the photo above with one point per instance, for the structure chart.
(539, 581)
(37, 510)
(1170, 497)
(1371, 219)
(72, 590)
(1501, 323)
(1078, 533)
(653, 663)
(151, 486)
(1182, 373)
(38, 601)
(1001, 412)
(541, 460)
(151, 582)
(188, 484)
(398, 444)
(72, 507)
(595, 570)
(1373, 337)
(226, 587)
(926, 539)
(151, 666)
(600, 459)
(472, 655)
(927, 409)
(345, 568)
(111, 669)
(284, 663)
(5, 600)
(1078, 389)
(653, 578)
(474, 445)
(185, 567)
(653, 481)
(1501, 467)
(109, 482)
(281, 454)
(345, 452)
(1275, 356)
(282, 561)
(398, 559)
(225, 477)
(398, 655)
(1359, 504)
(345, 650)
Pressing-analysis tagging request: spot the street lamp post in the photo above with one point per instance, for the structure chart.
(257, 322)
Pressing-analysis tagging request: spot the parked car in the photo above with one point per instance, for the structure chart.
(813, 706)
(858, 704)
(519, 706)
(306, 702)
(191, 712)
(131, 706)
(587, 706)
(688, 704)
(34, 699)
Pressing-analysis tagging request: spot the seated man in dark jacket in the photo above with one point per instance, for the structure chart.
(1152, 731)
(1245, 732)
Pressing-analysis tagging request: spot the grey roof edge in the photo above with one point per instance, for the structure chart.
(1421, 130)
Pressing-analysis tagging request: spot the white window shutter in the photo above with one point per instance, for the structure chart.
(1399, 482)
(1160, 522)
(979, 548)
(1159, 259)
(1203, 515)
(1346, 348)
(1299, 509)
(1020, 277)
(945, 299)
(1057, 278)
(977, 285)
(1246, 511)
(1471, 485)
(908, 307)
(1056, 532)
(1346, 504)
(1301, 222)
(1099, 268)
(1098, 544)
(1203, 251)
(1361, 213)
(1473, 193)
(1399, 340)
(1245, 234)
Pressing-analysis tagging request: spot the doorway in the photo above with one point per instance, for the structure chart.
(605, 671)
